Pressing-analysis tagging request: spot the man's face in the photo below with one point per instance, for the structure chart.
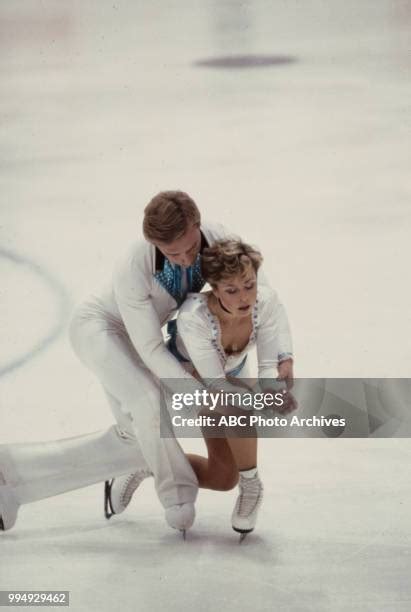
(185, 249)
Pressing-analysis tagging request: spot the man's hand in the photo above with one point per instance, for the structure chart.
(285, 373)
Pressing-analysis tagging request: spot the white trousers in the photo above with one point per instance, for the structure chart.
(33, 471)
(133, 393)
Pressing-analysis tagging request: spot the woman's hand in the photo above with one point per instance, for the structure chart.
(290, 403)
(282, 384)
(285, 373)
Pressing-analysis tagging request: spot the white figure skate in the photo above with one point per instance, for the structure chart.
(119, 491)
(248, 503)
(181, 517)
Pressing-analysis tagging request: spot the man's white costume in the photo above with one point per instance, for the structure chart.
(118, 336)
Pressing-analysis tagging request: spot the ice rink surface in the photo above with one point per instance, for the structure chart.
(103, 104)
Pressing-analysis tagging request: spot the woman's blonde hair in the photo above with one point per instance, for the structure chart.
(228, 258)
(168, 215)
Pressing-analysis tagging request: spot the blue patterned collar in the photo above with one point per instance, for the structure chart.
(170, 276)
(171, 279)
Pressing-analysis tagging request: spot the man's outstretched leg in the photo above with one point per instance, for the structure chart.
(34, 471)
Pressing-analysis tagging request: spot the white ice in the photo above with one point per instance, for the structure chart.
(101, 107)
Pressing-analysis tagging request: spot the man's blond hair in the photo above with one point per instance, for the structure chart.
(168, 215)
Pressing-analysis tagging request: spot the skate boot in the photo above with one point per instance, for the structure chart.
(248, 502)
(181, 517)
(119, 491)
(8, 506)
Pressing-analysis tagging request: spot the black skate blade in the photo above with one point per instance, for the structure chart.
(1, 524)
(243, 533)
(108, 508)
(243, 530)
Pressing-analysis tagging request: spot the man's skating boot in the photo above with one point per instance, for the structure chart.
(119, 491)
(181, 516)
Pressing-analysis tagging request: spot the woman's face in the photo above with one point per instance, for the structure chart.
(238, 294)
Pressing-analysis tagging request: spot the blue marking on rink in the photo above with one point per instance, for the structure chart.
(63, 302)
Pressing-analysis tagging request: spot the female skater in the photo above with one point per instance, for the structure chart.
(215, 332)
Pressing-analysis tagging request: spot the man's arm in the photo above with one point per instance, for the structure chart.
(131, 290)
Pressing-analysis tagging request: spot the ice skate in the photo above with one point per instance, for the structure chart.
(119, 491)
(246, 508)
(8, 506)
(181, 517)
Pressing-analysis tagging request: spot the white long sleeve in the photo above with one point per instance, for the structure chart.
(196, 334)
(284, 346)
(273, 333)
(132, 294)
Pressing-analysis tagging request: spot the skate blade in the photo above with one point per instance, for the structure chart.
(108, 509)
(243, 533)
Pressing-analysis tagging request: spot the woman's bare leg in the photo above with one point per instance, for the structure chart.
(226, 458)
(219, 470)
(242, 440)
(244, 451)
